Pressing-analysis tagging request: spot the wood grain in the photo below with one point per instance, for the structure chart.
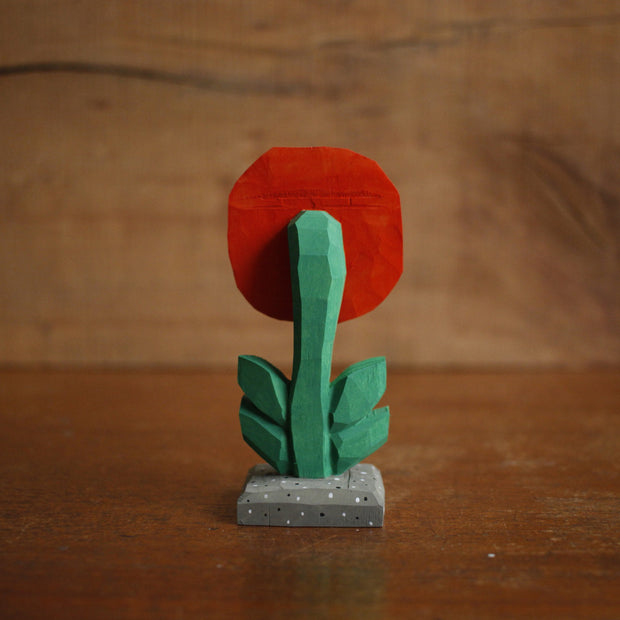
(124, 125)
(119, 491)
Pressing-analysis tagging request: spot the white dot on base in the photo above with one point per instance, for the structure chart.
(249, 511)
(266, 496)
(330, 495)
(369, 522)
(288, 522)
(344, 514)
(303, 513)
(297, 498)
(357, 500)
(490, 555)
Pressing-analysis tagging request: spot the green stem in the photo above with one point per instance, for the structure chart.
(318, 272)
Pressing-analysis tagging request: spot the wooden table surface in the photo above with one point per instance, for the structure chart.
(118, 494)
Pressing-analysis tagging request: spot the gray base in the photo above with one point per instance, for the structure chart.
(353, 499)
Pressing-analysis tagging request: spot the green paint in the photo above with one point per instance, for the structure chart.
(265, 386)
(268, 439)
(357, 390)
(309, 427)
(318, 271)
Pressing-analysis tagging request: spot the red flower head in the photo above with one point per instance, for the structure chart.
(351, 188)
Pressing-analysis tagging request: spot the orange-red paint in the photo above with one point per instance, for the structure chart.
(351, 188)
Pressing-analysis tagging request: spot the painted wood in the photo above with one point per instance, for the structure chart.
(351, 188)
(355, 498)
(265, 386)
(318, 272)
(357, 390)
(310, 427)
(268, 439)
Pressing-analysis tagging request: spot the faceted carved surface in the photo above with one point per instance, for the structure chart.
(309, 427)
(355, 498)
(351, 188)
(338, 209)
(318, 274)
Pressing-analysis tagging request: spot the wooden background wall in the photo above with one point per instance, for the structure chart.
(124, 124)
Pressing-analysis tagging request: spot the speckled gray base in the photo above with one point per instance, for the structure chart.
(353, 499)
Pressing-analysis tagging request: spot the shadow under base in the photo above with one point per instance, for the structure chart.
(355, 498)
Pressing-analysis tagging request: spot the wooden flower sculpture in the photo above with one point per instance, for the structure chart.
(314, 236)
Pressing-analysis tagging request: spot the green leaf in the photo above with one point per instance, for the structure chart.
(268, 439)
(265, 386)
(356, 391)
(356, 442)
